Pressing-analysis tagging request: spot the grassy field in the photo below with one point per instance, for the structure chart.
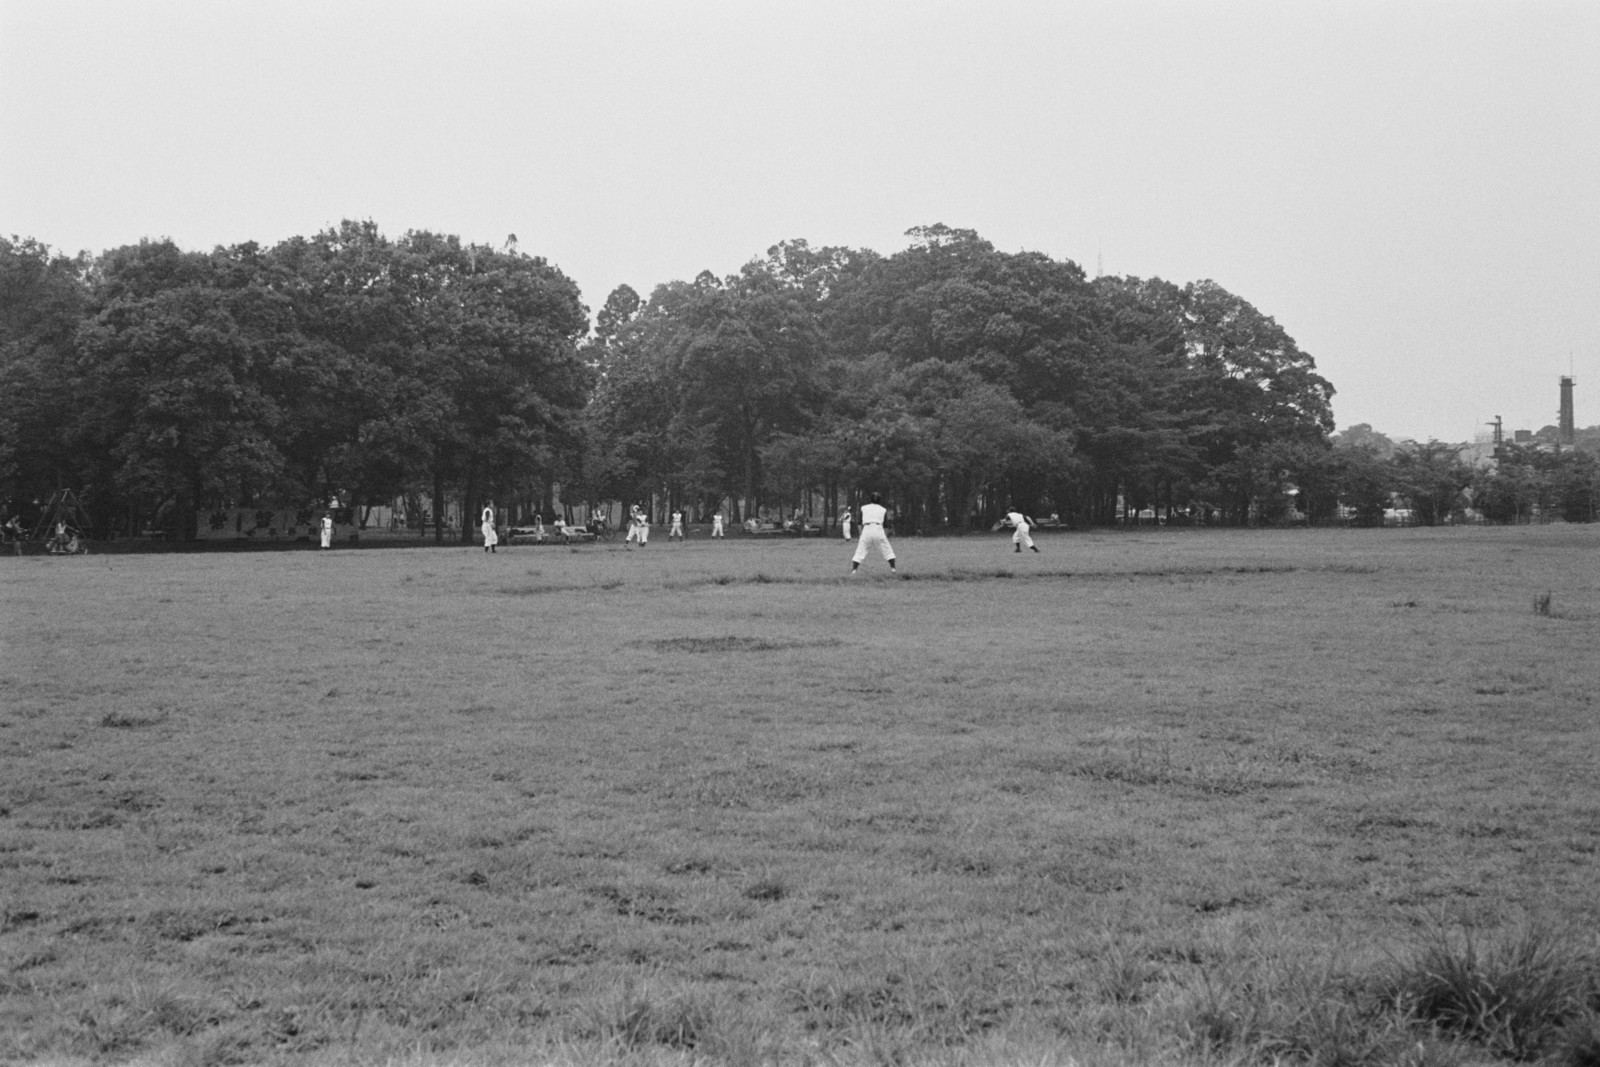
(1186, 797)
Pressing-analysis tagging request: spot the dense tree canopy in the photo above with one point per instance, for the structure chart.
(43, 297)
(158, 382)
(957, 379)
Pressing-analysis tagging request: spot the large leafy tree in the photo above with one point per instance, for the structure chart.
(1138, 431)
(979, 350)
(1431, 476)
(492, 355)
(355, 415)
(1252, 388)
(643, 435)
(178, 357)
(1364, 476)
(705, 375)
(749, 361)
(1575, 485)
(342, 362)
(43, 296)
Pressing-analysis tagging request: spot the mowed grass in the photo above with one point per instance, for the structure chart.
(1146, 797)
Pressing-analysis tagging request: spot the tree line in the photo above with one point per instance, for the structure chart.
(1437, 483)
(159, 382)
(956, 379)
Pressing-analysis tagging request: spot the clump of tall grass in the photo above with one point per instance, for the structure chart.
(1273, 1008)
(1514, 994)
(1580, 1042)
(640, 1017)
(1529, 993)
(636, 1019)
(894, 1010)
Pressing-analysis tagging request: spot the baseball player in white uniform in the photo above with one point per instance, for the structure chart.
(716, 525)
(677, 526)
(872, 535)
(1019, 524)
(844, 524)
(638, 527)
(490, 539)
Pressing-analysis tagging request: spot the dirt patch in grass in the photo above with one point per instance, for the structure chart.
(736, 644)
(132, 720)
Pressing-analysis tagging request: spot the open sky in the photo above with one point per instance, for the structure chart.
(1411, 189)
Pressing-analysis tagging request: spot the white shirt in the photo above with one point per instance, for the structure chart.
(1016, 518)
(872, 514)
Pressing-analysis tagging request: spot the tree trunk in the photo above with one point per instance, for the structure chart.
(438, 505)
(469, 504)
(189, 511)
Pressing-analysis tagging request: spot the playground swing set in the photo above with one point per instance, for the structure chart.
(61, 526)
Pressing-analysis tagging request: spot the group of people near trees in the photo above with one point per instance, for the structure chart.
(872, 536)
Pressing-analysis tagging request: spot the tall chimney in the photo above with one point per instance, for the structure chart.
(1566, 429)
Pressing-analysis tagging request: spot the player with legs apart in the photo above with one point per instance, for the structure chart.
(716, 524)
(1020, 523)
(677, 526)
(872, 535)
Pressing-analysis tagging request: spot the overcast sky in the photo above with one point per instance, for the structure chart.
(1411, 189)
